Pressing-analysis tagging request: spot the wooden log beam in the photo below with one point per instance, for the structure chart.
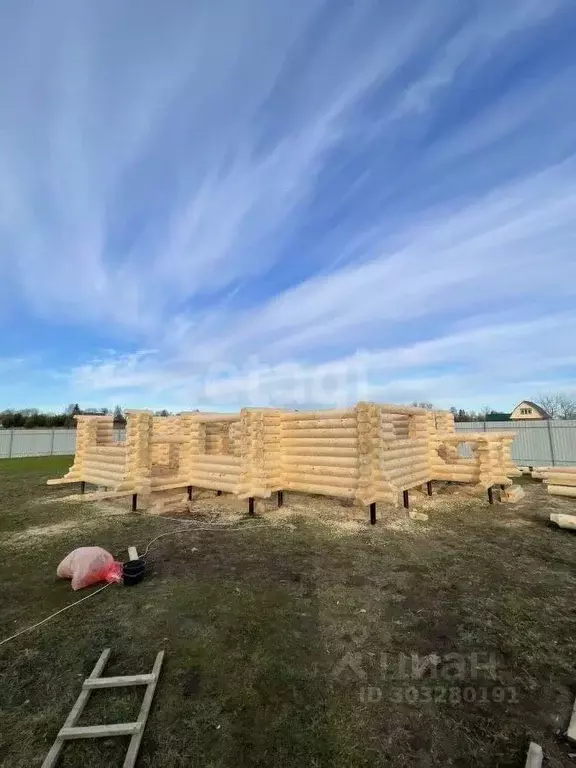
(260, 493)
(216, 477)
(555, 470)
(107, 482)
(171, 485)
(216, 466)
(393, 464)
(315, 433)
(211, 485)
(403, 453)
(448, 475)
(208, 461)
(562, 490)
(346, 452)
(403, 442)
(101, 471)
(116, 467)
(535, 756)
(344, 423)
(334, 413)
(321, 442)
(303, 469)
(403, 410)
(169, 439)
(322, 461)
(207, 418)
(320, 479)
(458, 469)
(412, 481)
(565, 479)
(563, 521)
(323, 490)
(396, 475)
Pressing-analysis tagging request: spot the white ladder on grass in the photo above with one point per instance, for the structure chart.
(136, 729)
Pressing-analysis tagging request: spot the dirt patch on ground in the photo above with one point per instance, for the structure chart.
(81, 523)
(38, 532)
(304, 633)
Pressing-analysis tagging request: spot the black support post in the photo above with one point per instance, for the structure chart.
(189, 493)
(251, 506)
(406, 499)
(373, 513)
(218, 493)
(134, 502)
(490, 495)
(429, 487)
(82, 486)
(280, 498)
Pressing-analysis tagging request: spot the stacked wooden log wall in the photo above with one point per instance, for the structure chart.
(374, 435)
(368, 453)
(104, 430)
(443, 422)
(505, 462)
(104, 462)
(490, 470)
(253, 479)
(139, 431)
(448, 465)
(319, 452)
(204, 467)
(160, 452)
(406, 456)
(442, 453)
(274, 473)
(235, 438)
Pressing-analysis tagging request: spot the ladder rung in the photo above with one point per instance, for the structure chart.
(97, 731)
(117, 682)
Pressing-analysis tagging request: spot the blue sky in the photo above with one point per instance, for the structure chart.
(215, 204)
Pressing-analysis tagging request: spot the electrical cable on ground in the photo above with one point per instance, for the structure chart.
(29, 629)
(187, 528)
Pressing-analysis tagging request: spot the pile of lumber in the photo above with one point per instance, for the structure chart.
(561, 481)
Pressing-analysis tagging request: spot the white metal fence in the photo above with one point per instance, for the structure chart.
(16, 443)
(538, 443)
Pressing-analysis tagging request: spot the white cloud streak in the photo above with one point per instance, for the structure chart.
(255, 185)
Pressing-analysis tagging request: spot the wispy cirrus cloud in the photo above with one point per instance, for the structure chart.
(288, 186)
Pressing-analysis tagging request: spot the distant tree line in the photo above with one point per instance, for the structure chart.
(559, 405)
(460, 414)
(32, 418)
(486, 414)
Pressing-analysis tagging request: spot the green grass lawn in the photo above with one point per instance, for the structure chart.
(292, 645)
(51, 466)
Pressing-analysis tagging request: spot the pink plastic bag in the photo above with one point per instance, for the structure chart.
(89, 565)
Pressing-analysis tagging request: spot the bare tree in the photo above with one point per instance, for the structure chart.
(559, 405)
(566, 406)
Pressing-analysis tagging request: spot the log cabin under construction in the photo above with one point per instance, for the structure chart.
(368, 453)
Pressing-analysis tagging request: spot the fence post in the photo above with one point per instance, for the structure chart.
(484, 425)
(52, 443)
(551, 441)
(10, 443)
